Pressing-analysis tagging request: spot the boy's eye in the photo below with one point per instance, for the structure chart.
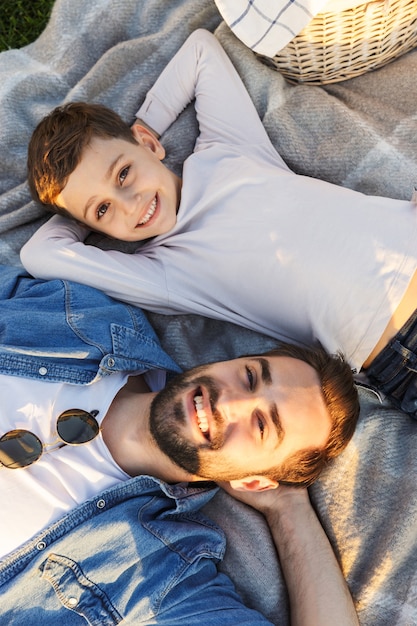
(251, 377)
(101, 210)
(123, 174)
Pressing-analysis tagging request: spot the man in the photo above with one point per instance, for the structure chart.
(255, 420)
(245, 420)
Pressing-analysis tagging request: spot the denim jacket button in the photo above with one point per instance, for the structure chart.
(110, 362)
(101, 504)
(72, 602)
(41, 545)
(43, 371)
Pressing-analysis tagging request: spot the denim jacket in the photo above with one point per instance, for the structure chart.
(62, 331)
(139, 553)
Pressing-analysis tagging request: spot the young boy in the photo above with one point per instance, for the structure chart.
(240, 238)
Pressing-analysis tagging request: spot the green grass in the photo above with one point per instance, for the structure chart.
(22, 21)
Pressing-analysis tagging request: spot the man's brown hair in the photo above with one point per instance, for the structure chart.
(57, 143)
(341, 398)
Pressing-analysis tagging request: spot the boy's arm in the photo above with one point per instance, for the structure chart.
(202, 70)
(317, 590)
(132, 278)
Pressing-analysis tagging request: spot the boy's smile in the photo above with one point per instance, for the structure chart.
(123, 189)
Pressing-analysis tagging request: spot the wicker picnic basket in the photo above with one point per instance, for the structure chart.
(339, 45)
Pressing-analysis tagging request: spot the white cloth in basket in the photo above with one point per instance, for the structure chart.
(267, 26)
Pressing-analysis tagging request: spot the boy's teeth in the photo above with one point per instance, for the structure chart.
(149, 213)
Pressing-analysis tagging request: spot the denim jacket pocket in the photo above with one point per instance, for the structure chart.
(77, 593)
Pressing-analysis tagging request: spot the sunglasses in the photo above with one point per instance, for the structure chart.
(20, 448)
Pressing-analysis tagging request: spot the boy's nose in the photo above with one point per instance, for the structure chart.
(128, 205)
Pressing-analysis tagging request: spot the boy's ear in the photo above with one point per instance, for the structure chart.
(254, 483)
(147, 138)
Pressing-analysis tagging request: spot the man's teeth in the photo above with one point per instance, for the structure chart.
(201, 415)
(149, 213)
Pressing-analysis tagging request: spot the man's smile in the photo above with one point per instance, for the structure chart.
(206, 421)
(199, 412)
(201, 416)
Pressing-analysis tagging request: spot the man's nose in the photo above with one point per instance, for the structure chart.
(236, 407)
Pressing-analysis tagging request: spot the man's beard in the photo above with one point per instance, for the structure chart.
(168, 419)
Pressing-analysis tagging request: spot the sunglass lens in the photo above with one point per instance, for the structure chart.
(76, 426)
(19, 448)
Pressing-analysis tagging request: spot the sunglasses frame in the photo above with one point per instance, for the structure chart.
(34, 446)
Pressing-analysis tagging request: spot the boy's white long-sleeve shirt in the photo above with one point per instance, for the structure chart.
(294, 257)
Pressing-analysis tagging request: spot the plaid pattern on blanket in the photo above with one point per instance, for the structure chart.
(361, 134)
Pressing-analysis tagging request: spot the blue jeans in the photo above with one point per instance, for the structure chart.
(394, 369)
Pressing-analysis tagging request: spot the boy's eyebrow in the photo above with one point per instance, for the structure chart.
(112, 167)
(108, 175)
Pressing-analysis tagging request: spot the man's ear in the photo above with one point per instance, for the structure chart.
(147, 138)
(254, 483)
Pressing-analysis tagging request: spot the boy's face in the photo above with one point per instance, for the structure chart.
(122, 189)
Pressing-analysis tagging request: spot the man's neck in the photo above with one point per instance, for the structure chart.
(126, 433)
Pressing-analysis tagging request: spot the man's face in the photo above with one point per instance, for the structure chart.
(122, 189)
(239, 418)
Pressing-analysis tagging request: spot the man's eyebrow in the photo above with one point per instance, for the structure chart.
(108, 175)
(276, 421)
(273, 409)
(265, 370)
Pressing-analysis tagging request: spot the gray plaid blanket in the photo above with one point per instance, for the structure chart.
(361, 134)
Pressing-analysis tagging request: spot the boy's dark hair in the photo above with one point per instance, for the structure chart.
(57, 144)
(341, 397)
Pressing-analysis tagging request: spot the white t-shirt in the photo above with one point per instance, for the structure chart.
(62, 478)
(290, 256)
